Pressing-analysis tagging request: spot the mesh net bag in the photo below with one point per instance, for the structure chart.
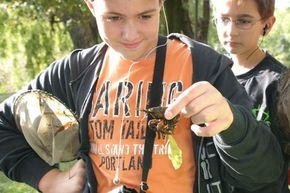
(49, 127)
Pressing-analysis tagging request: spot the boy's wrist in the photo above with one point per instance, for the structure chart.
(48, 180)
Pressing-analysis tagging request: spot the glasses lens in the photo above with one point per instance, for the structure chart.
(222, 21)
(244, 24)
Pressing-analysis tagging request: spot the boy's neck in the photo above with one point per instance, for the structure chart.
(244, 63)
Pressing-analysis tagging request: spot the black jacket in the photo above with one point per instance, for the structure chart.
(244, 158)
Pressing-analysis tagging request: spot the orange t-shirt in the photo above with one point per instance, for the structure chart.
(121, 92)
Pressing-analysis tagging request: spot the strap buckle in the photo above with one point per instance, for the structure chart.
(144, 186)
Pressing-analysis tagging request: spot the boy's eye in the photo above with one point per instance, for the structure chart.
(225, 19)
(222, 20)
(243, 21)
(113, 18)
(145, 17)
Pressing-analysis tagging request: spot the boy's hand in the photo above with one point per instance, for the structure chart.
(204, 104)
(71, 181)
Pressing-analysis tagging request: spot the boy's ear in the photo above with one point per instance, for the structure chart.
(90, 5)
(268, 25)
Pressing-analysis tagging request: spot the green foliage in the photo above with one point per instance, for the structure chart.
(277, 42)
(213, 40)
(35, 33)
(28, 44)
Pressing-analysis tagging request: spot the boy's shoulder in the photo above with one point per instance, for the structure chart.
(273, 64)
(207, 63)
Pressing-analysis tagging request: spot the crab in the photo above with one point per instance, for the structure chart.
(158, 122)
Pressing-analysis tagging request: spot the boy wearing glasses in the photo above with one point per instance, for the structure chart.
(240, 26)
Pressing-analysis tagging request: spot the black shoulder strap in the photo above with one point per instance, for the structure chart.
(154, 100)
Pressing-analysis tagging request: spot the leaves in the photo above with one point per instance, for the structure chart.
(277, 42)
(28, 44)
(175, 155)
(36, 32)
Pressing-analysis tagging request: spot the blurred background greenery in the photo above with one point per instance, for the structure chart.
(35, 33)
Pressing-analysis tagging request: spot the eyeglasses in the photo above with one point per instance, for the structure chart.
(242, 23)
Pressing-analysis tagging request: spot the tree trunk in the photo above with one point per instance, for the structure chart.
(83, 34)
(179, 17)
(203, 23)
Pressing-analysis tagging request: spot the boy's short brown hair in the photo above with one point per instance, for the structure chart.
(265, 7)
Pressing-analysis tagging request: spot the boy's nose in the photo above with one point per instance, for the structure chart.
(130, 31)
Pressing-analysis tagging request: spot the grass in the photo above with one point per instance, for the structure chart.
(9, 186)
(3, 96)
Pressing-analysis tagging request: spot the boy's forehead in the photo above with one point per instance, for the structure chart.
(126, 3)
(229, 4)
(125, 6)
(235, 7)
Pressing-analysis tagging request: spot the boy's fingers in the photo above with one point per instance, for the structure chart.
(184, 99)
